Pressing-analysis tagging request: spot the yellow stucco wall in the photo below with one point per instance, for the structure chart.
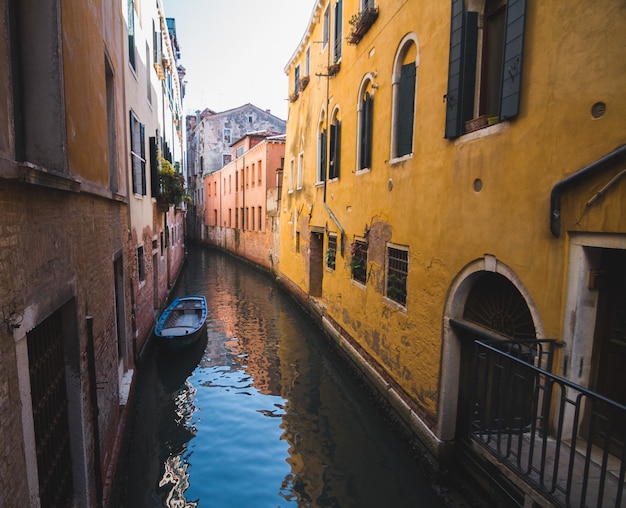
(453, 201)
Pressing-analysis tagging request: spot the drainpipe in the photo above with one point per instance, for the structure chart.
(330, 212)
(614, 157)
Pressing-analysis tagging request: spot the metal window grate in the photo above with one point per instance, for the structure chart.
(397, 270)
(50, 412)
(358, 263)
(331, 252)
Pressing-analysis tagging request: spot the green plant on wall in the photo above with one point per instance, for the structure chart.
(330, 258)
(171, 184)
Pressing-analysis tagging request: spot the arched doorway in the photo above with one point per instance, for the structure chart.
(496, 312)
(486, 301)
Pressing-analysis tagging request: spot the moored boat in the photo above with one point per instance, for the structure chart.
(183, 322)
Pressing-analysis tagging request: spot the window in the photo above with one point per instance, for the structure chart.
(326, 27)
(331, 251)
(300, 179)
(365, 120)
(141, 264)
(215, 216)
(111, 126)
(338, 30)
(227, 136)
(236, 217)
(242, 224)
(260, 172)
(138, 155)
(132, 58)
(260, 219)
(253, 174)
(485, 65)
(226, 158)
(358, 261)
(397, 270)
(307, 62)
(297, 242)
(296, 80)
(335, 146)
(239, 152)
(404, 83)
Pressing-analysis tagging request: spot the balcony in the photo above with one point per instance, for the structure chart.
(361, 23)
(562, 439)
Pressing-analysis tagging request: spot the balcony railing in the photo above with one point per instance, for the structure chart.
(561, 438)
(361, 22)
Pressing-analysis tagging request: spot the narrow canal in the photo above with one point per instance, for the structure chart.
(260, 413)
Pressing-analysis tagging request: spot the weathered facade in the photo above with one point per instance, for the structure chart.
(67, 335)
(453, 172)
(210, 135)
(242, 199)
(155, 132)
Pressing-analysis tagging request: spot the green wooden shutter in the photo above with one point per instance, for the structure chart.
(461, 69)
(367, 110)
(154, 168)
(455, 74)
(336, 150)
(142, 140)
(322, 160)
(406, 110)
(513, 52)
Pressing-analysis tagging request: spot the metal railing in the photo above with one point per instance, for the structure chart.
(564, 440)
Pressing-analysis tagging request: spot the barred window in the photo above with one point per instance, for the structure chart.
(397, 270)
(331, 251)
(358, 262)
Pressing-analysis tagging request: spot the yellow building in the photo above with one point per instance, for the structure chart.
(452, 174)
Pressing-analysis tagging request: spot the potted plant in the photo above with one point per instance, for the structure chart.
(361, 23)
(171, 185)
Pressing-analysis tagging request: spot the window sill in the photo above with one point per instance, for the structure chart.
(362, 171)
(398, 160)
(394, 304)
(483, 132)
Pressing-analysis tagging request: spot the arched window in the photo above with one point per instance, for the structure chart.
(404, 82)
(365, 124)
(335, 146)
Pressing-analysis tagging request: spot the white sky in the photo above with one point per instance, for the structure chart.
(235, 51)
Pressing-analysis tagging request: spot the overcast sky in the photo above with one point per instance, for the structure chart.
(235, 51)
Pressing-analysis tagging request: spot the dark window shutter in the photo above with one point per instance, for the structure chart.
(154, 168)
(513, 50)
(323, 149)
(461, 69)
(367, 111)
(142, 140)
(335, 149)
(455, 71)
(331, 164)
(406, 110)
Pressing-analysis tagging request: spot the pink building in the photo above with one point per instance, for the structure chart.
(242, 199)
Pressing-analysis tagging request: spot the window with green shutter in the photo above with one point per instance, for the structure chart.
(495, 73)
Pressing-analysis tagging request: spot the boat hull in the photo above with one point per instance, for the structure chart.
(182, 323)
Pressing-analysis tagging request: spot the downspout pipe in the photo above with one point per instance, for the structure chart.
(614, 157)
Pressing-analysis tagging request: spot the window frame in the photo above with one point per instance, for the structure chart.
(365, 125)
(402, 285)
(334, 150)
(400, 88)
(330, 256)
(138, 155)
(358, 261)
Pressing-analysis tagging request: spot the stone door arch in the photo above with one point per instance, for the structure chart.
(490, 297)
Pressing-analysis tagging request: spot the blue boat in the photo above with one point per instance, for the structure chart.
(183, 322)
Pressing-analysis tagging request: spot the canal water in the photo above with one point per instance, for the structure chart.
(260, 413)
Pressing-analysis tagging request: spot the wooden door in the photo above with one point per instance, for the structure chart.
(609, 352)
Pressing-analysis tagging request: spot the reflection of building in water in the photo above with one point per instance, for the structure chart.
(176, 474)
(175, 467)
(251, 343)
